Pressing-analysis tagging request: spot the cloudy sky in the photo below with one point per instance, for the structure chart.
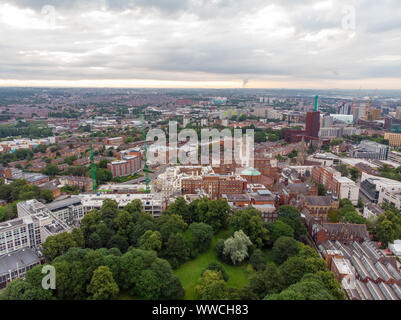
(201, 43)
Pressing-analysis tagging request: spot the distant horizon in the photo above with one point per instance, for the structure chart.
(105, 86)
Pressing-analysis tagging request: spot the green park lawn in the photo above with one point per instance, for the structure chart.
(190, 272)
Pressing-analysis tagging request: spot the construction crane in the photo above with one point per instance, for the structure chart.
(93, 158)
(367, 112)
(146, 154)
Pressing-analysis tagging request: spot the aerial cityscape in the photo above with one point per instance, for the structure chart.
(160, 167)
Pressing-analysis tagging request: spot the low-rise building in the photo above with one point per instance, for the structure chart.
(114, 141)
(17, 264)
(151, 202)
(393, 138)
(31, 178)
(378, 189)
(371, 150)
(364, 272)
(372, 211)
(82, 183)
(70, 210)
(395, 156)
(395, 247)
(33, 225)
(128, 164)
(319, 206)
(335, 184)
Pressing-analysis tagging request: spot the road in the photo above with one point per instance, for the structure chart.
(152, 176)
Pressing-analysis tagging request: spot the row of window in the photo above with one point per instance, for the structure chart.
(15, 273)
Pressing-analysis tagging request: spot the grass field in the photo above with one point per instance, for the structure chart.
(190, 272)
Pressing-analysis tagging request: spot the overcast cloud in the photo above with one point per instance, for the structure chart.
(281, 43)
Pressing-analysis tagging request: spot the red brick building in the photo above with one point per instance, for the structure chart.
(129, 164)
(214, 185)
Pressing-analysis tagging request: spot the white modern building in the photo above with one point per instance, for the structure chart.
(348, 189)
(70, 210)
(34, 224)
(151, 203)
(395, 247)
(379, 190)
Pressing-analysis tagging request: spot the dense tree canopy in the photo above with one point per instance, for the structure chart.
(250, 222)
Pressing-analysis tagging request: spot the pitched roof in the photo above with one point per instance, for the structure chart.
(319, 200)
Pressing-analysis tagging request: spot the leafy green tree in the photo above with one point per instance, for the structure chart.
(103, 176)
(236, 247)
(177, 249)
(257, 260)
(89, 222)
(260, 136)
(2, 214)
(181, 208)
(354, 173)
(51, 170)
(103, 164)
(94, 241)
(78, 237)
(291, 216)
(102, 285)
(171, 225)
(135, 208)
(343, 169)
(109, 211)
(331, 284)
(47, 195)
(283, 248)
(70, 160)
(170, 285)
(250, 222)
(333, 215)
(266, 282)
(214, 266)
(118, 242)
(310, 287)
(139, 229)
(295, 267)
(213, 212)
(58, 245)
(40, 149)
(201, 235)
(105, 233)
(219, 248)
(387, 230)
(281, 229)
(353, 217)
(151, 240)
(160, 283)
(124, 223)
(22, 290)
(211, 286)
(148, 285)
